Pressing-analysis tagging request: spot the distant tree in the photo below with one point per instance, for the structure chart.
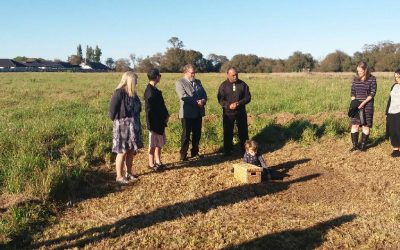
(74, 60)
(337, 61)
(97, 54)
(57, 60)
(89, 54)
(279, 66)
(299, 62)
(110, 63)
(122, 65)
(265, 65)
(216, 62)
(21, 59)
(79, 52)
(173, 60)
(196, 58)
(133, 59)
(243, 63)
(176, 43)
(144, 65)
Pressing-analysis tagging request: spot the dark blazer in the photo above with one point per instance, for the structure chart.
(188, 98)
(156, 111)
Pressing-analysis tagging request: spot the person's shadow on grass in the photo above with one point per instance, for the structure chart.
(309, 238)
(171, 212)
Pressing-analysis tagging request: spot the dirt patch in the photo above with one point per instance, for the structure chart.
(326, 198)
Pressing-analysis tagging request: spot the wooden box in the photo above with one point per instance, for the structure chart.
(247, 173)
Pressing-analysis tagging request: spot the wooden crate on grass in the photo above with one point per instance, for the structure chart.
(247, 173)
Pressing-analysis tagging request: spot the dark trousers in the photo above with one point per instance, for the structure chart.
(393, 129)
(229, 123)
(190, 126)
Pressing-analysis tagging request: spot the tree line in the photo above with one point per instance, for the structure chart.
(382, 56)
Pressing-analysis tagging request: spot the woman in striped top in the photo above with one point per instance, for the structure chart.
(393, 115)
(363, 89)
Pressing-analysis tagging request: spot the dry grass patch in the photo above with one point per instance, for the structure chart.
(324, 200)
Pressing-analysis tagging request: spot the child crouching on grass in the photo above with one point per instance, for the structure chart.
(251, 156)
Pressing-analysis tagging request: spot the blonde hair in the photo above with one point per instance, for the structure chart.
(250, 144)
(128, 83)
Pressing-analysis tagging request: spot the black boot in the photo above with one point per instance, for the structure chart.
(354, 141)
(364, 138)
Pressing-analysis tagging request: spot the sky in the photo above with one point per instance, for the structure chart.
(52, 29)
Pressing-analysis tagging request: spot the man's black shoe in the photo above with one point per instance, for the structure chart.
(197, 156)
(227, 153)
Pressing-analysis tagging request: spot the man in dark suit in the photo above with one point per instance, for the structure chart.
(233, 95)
(192, 97)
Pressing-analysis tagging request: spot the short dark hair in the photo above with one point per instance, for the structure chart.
(231, 67)
(153, 74)
(397, 71)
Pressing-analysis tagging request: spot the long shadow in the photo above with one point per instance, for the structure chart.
(171, 212)
(93, 184)
(208, 159)
(274, 136)
(278, 172)
(309, 238)
(377, 142)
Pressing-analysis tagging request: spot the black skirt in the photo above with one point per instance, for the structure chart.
(393, 129)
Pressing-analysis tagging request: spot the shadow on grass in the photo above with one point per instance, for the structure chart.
(38, 212)
(208, 159)
(309, 238)
(169, 213)
(376, 142)
(274, 136)
(92, 183)
(88, 183)
(278, 172)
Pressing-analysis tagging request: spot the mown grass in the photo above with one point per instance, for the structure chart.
(54, 126)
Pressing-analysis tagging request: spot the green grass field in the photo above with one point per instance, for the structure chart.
(54, 126)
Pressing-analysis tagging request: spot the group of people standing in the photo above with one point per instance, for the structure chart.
(363, 91)
(125, 108)
(233, 96)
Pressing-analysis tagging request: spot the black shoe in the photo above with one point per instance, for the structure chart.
(197, 156)
(155, 168)
(183, 158)
(227, 153)
(161, 166)
(395, 153)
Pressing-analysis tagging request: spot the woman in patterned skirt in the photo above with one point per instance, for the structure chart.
(363, 89)
(393, 115)
(124, 111)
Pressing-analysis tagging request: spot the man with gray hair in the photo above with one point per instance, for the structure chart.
(193, 98)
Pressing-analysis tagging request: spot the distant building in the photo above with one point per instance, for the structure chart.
(11, 65)
(94, 66)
